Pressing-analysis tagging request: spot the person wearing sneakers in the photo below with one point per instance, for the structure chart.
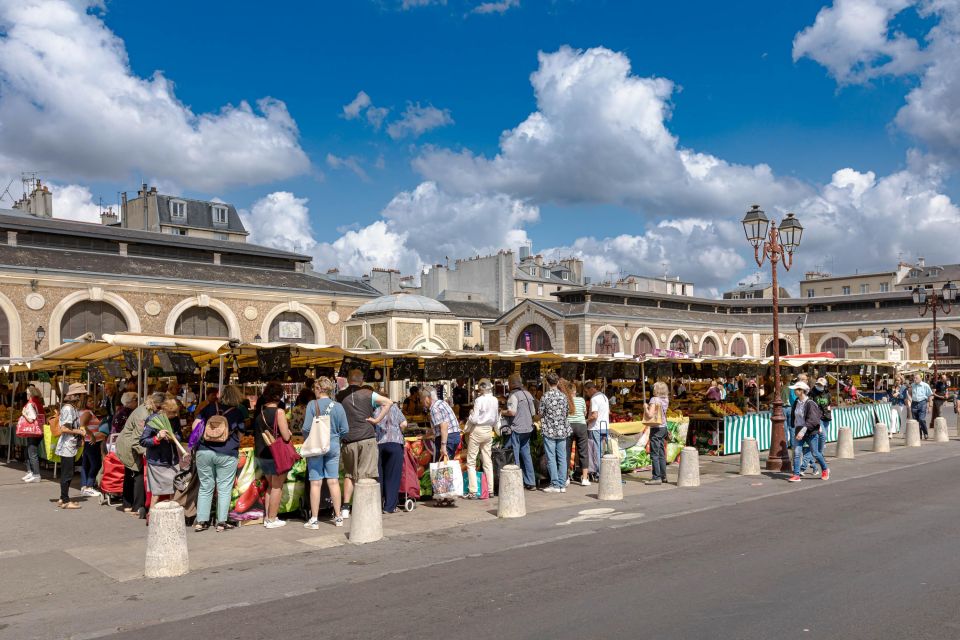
(554, 408)
(483, 417)
(271, 419)
(325, 467)
(578, 426)
(71, 437)
(806, 420)
(35, 419)
(91, 459)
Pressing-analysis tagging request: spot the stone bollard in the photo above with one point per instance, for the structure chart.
(845, 443)
(940, 433)
(689, 468)
(510, 500)
(166, 542)
(611, 484)
(749, 457)
(913, 433)
(881, 440)
(366, 517)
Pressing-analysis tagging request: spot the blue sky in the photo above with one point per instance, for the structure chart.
(741, 93)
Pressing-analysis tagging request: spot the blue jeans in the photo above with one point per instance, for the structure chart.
(90, 461)
(453, 441)
(597, 451)
(214, 471)
(556, 449)
(521, 456)
(919, 411)
(811, 442)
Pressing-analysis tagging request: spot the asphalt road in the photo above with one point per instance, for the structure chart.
(871, 558)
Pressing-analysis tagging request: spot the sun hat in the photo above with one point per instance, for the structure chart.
(801, 385)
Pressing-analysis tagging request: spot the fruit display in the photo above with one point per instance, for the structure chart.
(620, 417)
(721, 409)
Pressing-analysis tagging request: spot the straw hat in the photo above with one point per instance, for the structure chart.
(76, 389)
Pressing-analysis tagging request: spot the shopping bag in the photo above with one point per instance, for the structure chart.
(446, 479)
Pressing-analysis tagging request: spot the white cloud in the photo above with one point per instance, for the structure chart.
(70, 104)
(417, 120)
(75, 202)
(599, 135)
(413, 4)
(500, 7)
(362, 104)
(852, 39)
(281, 220)
(357, 105)
(352, 163)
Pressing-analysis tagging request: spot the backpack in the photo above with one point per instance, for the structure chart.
(318, 441)
(216, 429)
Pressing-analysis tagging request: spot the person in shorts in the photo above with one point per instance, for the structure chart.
(327, 466)
(359, 454)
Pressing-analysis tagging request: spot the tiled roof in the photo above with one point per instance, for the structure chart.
(472, 310)
(144, 268)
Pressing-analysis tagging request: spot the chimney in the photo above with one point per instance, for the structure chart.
(109, 217)
(921, 262)
(524, 252)
(123, 210)
(38, 203)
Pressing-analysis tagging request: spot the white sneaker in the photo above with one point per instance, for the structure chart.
(90, 492)
(274, 524)
(338, 521)
(312, 523)
(551, 490)
(584, 483)
(567, 483)
(28, 477)
(563, 489)
(345, 513)
(33, 479)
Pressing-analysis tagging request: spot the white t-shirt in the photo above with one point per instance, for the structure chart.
(601, 406)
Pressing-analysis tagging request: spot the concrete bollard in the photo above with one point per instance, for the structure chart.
(845, 443)
(913, 433)
(689, 468)
(881, 440)
(749, 457)
(166, 542)
(940, 433)
(611, 484)
(510, 500)
(366, 517)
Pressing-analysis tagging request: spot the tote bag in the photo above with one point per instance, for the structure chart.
(318, 442)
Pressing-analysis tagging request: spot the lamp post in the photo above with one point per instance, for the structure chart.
(934, 302)
(41, 334)
(800, 324)
(775, 244)
(895, 338)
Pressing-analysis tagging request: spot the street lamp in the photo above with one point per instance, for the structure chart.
(41, 334)
(774, 244)
(800, 324)
(896, 338)
(934, 302)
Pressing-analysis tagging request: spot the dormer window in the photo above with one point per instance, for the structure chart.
(566, 276)
(533, 271)
(219, 215)
(178, 209)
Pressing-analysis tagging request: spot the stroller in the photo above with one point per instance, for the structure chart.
(409, 482)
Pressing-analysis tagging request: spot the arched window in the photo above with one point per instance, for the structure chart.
(201, 321)
(836, 345)
(784, 348)
(739, 347)
(708, 347)
(533, 338)
(290, 326)
(95, 316)
(679, 343)
(4, 335)
(643, 345)
(607, 343)
(952, 343)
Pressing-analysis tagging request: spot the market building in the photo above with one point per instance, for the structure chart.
(594, 320)
(60, 279)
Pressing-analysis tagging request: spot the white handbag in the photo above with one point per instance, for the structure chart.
(318, 441)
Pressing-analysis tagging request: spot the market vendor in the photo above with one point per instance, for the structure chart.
(411, 405)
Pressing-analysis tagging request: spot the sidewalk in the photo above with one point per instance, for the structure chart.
(48, 555)
(113, 543)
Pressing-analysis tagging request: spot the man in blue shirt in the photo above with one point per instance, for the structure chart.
(918, 398)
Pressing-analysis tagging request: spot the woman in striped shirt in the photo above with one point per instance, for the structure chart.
(578, 423)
